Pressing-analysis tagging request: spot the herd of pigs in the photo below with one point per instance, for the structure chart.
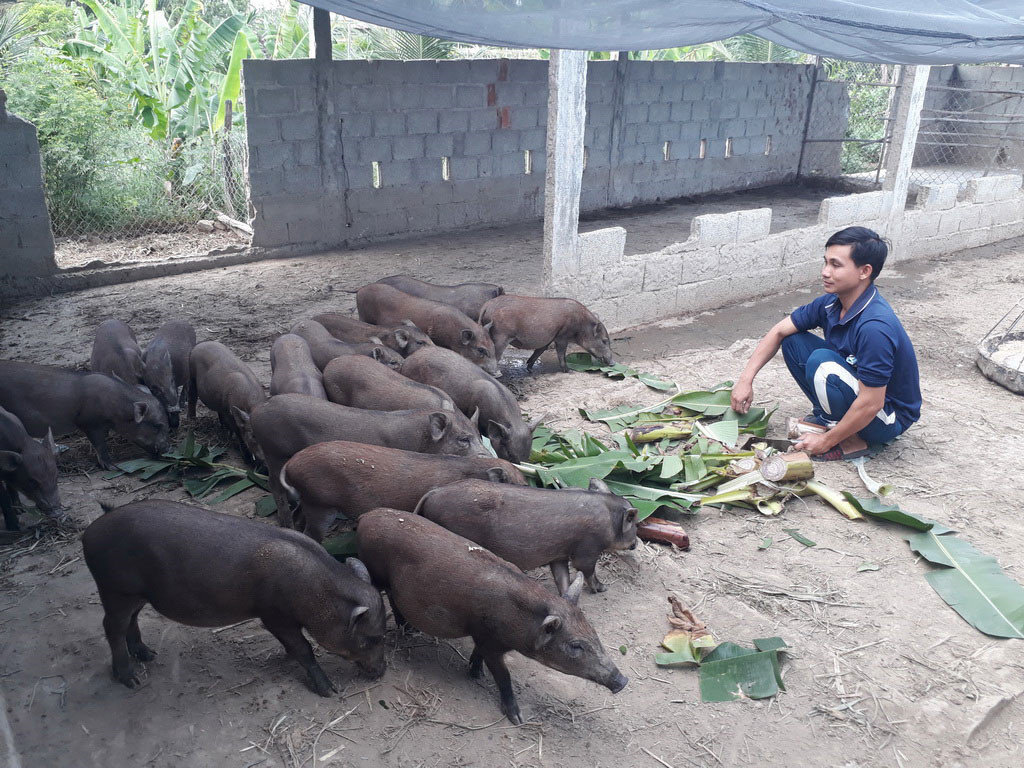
(378, 420)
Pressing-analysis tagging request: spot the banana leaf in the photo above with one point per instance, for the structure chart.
(746, 675)
(342, 546)
(973, 584)
(583, 361)
(265, 506)
(233, 490)
(884, 511)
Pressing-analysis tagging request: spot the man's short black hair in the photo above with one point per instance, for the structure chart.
(868, 247)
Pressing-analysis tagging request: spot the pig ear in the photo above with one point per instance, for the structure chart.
(141, 409)
(358, 611)
(402, 337)
(376, 354)
(598, 485)
(9, 461)
(572, 594)
(50, 443)
(548, 627)
(467, 335)
(629, 519)
(241, 417)
(410, 323)
(358, 568)
(534, 423)
(497, 475)
(488, 326)
(475, 418)
(376, 340)
(497, 432)
(440, 423)
(500, 291)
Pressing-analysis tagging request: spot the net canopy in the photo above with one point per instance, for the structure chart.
(882, 31)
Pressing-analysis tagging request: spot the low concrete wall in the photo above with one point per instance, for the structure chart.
(26, 239)
(731, 257)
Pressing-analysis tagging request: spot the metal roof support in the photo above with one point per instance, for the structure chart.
(900, 156)
(567, 102)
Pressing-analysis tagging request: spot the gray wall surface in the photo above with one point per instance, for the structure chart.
(315, 133)
(945, 138)
(26, 240)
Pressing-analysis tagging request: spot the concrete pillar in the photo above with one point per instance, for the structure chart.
(567, 111)
(900, 156)
(321, 35)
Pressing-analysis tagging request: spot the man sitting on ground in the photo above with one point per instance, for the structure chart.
(862, 377)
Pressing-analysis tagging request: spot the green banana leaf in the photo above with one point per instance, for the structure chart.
(342, 546)
(584, 361)
(885, 511)
(973, 584)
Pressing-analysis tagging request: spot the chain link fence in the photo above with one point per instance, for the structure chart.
(872, 89)
(972, 124)
(138, 189)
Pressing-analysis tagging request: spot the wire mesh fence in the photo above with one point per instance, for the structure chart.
(972, 124)
(137, 185)
(872, 89)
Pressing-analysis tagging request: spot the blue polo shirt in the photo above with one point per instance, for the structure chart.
(874, 343)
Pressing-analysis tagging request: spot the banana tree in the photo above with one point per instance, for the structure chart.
(178, 76)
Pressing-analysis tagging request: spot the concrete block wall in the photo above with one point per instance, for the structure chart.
(730, 257)
(26, 239)
(351, 152)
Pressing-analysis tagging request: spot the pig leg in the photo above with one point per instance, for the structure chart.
(535, 357)
(560, 347)
(290, 636)
(495, 660)
(118, 616)
(7, 497)
(560, 572)
(284, 508)
(193, 397)
(586, 563)
(98, 437)
(318, 521)
(136, 647)
(400, 621)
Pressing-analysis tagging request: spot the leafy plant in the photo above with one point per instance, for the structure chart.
(16, 37)
(584, 361)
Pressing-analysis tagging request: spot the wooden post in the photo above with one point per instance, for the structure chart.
(567, 103)
(900, 157)
(229, 175)
(322, 35)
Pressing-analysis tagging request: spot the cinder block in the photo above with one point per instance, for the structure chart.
(483, 119)
(388, 72)
(851, 209)
(352, 71)
(714, 228)
(453, 121)
(437, 96)
(421, 121)
(464, 168)
(405, 97)
(635, 113)
(659, 113)
(753, 225)
(293, 73)
(478, 143)
(970, 217)
(275, 101)
(439, 145)
(356, 125)
(273, 155)
(299, 126)
(949, 222)
(524, 118)
(600, 248)
(504, 142)
(370, 98)
(306, 152)
(261, 129)
(257, 72)
(374, 150)
(389, 124)
(301, 178)
(661, 270)
(396, 173)
(470, 96)
(407, 147)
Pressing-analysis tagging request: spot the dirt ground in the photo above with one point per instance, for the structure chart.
(881, 672)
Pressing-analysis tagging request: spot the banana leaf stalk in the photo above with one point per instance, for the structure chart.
(835, 499)
(878, 489)
(653, 433)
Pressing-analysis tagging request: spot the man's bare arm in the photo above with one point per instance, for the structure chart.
(766, 349)
(863, 409)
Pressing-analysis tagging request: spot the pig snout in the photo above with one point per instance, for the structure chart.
(617, 682)
(491, 367)
(375, 666)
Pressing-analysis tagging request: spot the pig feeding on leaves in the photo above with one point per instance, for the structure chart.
(208, 569)
(360, 382)
(116, 353)
(474, 391)
(445, 325)
(285, 424)
(526, 322)
(27, 466)
(534, 527)
(46, 398)
(293, 370)
(404, 339)
(165, 366)
(447, 586)
(347, 479)
(324, 347)
(465, 297)
(228, 387)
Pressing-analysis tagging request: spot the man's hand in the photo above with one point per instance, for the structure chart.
(742, 396)
(814, 443)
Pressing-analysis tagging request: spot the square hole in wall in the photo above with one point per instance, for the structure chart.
(728, 147)
(375, 170)
(767, 145)
(666, 150)
(446, 168)
(586, 157)
(527, 161)
(703, 148)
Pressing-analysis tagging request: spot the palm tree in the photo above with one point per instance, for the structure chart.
(15, 38)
